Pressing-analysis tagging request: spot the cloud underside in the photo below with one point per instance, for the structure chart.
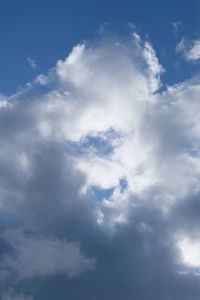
(99, 180)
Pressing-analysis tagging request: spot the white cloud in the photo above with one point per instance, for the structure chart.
(42, 79)
(111, 87)
(190, 251)
(32, 63)
(194, 52)
(155, 69)
(190, 49)
(95, 120)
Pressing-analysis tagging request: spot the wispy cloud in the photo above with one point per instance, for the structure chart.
(189, 49)
(32, 63)
(177, 27)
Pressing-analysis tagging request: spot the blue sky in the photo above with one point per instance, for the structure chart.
(100, 150)
(45, 31)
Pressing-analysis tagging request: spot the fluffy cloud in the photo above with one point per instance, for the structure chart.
(190, 49)
(98, 165)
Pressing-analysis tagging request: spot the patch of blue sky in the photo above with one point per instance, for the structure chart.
(102, 146)
(112, 134)
(100, 194)
(29, 29)
(184, 270)
(101, 143)
(123, 184)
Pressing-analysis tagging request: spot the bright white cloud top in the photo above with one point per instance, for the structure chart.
(190, 49)
(96, 158)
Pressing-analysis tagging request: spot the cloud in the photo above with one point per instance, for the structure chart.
(32, 63)
(189, 49)
(190, 251)
(98, 164)
(194, 52)
(177, 27)
(34, 257)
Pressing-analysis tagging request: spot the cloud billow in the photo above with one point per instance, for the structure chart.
(100, 122)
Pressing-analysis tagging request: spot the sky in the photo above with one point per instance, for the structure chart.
(100, 150)
(45, 31)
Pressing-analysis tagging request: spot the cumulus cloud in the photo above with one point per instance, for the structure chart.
(99, 179)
